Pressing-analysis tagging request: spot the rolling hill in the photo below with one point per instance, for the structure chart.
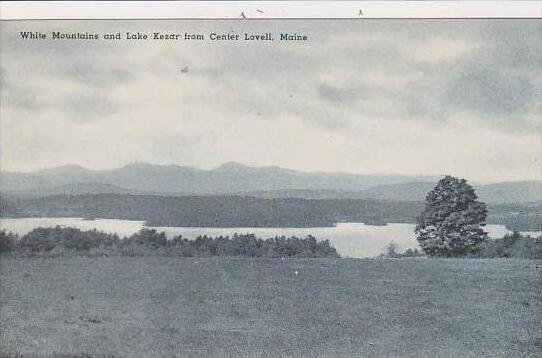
(235, 178)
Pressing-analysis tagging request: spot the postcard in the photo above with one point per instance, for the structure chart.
(270, 179)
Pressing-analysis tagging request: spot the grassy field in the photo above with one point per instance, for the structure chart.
(164, 307)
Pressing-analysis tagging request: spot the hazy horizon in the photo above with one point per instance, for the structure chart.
(234, 163)
(201, 168)
(458, 97)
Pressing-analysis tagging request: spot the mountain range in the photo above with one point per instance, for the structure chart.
(235, 178)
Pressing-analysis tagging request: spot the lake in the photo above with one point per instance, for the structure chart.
(350, 239)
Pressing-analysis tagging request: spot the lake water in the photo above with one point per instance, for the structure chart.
(350, 239)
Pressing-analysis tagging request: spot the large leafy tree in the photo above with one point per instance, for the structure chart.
(451, 222)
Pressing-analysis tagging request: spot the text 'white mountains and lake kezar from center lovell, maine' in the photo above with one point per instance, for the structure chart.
(166, 36)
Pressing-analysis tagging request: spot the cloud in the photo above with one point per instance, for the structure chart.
(348, 95)
(490, 92)
(16, 96)
(89, 107)
(414, 97)
(442, 49)
(91, 73)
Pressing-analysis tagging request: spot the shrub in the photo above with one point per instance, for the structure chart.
(43, 240)
(60, 241)
(392, 252)
(150, 238)
(513, 245)
(8, 240)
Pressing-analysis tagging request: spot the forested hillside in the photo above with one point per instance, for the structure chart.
(241, 211)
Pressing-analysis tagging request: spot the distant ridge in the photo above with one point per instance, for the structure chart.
(499, 193)
(70, 189)
(230, 177)
(236, 178)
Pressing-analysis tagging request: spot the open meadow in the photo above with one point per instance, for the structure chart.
(166, 307)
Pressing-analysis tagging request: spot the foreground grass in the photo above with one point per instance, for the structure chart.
(163, 307)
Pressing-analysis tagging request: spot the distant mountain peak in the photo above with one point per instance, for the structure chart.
(139, 165)
(145, 165)
(64, 169)
(232, 166)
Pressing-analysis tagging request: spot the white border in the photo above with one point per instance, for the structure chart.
(32, 10)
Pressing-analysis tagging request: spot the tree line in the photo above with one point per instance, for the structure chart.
(66, 241)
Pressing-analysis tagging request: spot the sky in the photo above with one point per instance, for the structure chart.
(415, 97)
